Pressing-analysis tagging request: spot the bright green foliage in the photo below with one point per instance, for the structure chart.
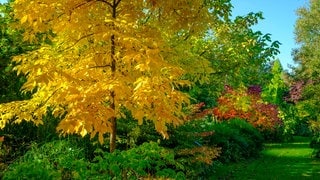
(307, 31)
(275, 90)
(148, 160)
(307, 56)
(29, 170)
(53, 160)
(309, 106)
(238, 55)
(65, 159)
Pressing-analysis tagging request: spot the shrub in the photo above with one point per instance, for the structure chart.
(18, 137)
(190, 143)
(198, 161)
(31, 170)
(275, 135)
(147, 160)
(247, 105)
(132, 135)
(53, 160)
(238, 139)
(302, 129)
(315, 142)
(251, 134)
(230, 140)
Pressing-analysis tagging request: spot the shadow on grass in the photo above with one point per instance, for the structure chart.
(278, 161)
(288, 145)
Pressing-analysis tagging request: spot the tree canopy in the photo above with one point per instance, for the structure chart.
(307, 55)
(99, 57)
(307, 31)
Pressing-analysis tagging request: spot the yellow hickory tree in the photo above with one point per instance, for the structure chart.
(100, 56)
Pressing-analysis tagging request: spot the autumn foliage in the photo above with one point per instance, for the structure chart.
(244, 104)
(247, 105)
(99, 57)
(203, 154)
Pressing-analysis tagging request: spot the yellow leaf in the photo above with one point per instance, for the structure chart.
(139, 116)
(83, 132)
(24, 19)
(101, 139)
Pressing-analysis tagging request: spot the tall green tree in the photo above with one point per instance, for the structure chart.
(275, 90)
(305, 91)
(307, 31)
(239, 55)
(307, 55)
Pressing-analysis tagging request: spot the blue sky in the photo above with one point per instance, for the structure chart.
(279, 21)
(280, 17)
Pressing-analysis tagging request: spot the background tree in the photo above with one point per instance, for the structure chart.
(274, 91)
(307, 31)
(239, 56)
(108, 55)
(306, 74)
(305, 90)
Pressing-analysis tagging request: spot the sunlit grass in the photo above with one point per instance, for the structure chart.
(278, 161)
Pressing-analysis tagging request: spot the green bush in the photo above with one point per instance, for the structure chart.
(238, 139)
(275, 135)
(59, 159)
(251, 134)
(147, 160)
(189, 137)
(18, 137)
(315, 142)
(132, 135)
(302, 129)
(31, 170)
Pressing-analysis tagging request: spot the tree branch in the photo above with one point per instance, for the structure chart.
(83, 37)
(117, 3)
(44, 102)
(104, 1)
(102, 66)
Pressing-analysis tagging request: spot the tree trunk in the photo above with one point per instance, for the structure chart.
(113, 134)
(113, 120)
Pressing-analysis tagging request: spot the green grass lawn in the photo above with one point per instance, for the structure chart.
(277, 161)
